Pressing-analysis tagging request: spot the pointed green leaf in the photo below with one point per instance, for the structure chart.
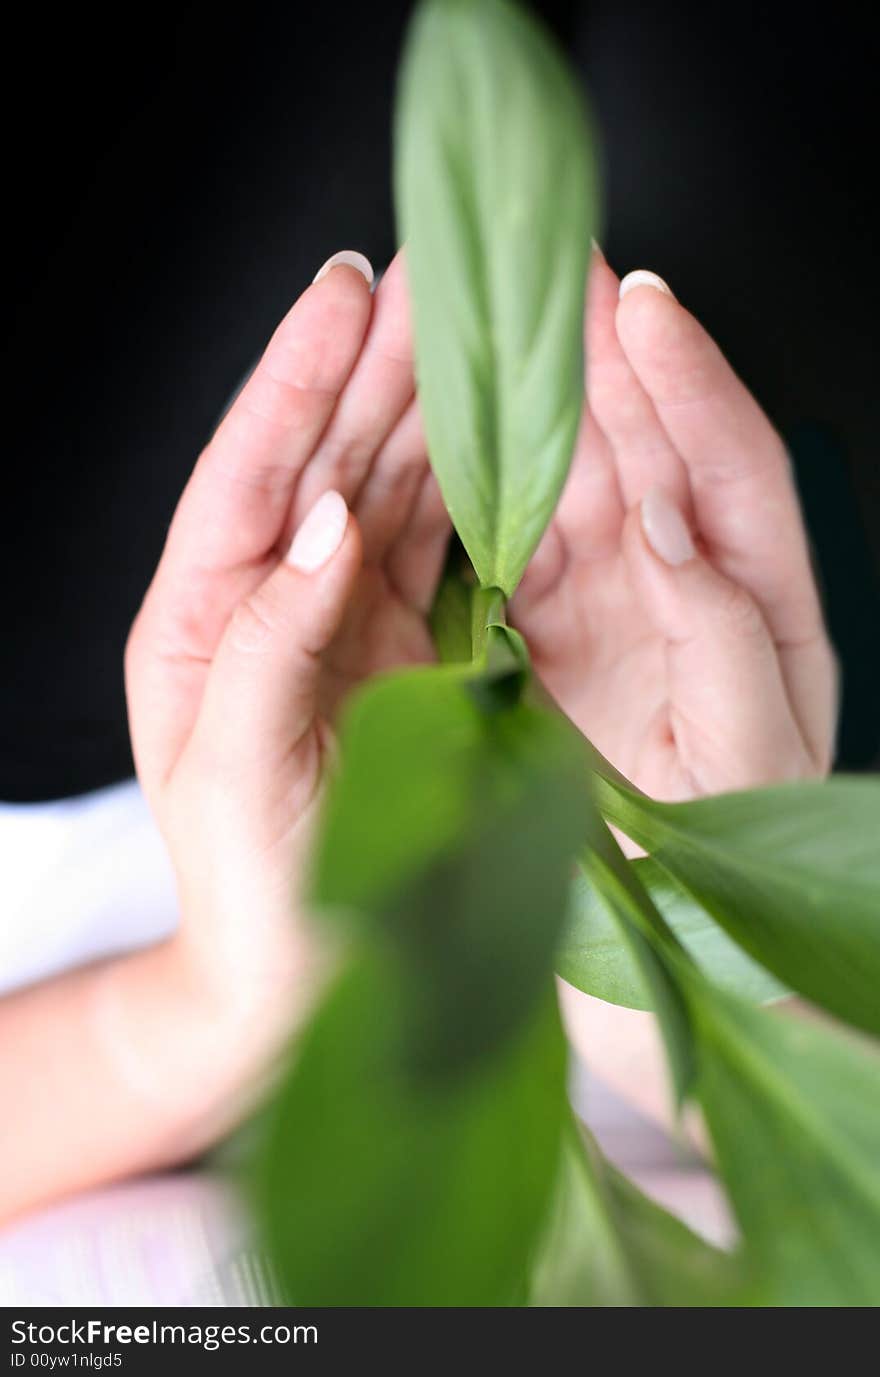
(594, 957)
(652, 946)
(791, 872)
(496, 198)
(607, 1244)
(378, 1188)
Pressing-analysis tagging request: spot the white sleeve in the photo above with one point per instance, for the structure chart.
(80, 879)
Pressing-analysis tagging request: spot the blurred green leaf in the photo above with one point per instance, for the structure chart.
(791, 872)
(379, 1188)
(794, 1113)
(607, 1244)
(453, 825)
(496, 196)
(594, 957)
(411, 744)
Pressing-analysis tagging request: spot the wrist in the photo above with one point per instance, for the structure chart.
(190, 1053)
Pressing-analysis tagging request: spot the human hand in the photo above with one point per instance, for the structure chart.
(246, 643)
(671, 608)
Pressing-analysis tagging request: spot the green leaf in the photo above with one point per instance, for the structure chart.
(652, 946)
(793, 1109)
(791, 872)
(381, 1189)
(607, 1244)
(594, 957)
(451, 618)
(794, 1113)
(453, 826)
(496, 197)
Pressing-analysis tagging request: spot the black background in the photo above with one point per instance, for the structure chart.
(173, 183)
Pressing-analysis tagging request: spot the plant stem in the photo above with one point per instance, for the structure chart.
(488, 608)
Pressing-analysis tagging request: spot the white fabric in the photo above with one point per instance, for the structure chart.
(80, 879)
(179, 1240)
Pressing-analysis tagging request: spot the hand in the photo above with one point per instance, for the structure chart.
(246, 642)
(671, 607)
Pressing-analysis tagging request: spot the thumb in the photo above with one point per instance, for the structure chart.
(261, 696)
(728, 707)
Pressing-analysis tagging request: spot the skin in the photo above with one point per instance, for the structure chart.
(710, 674)
(696, 678)
(715, 674)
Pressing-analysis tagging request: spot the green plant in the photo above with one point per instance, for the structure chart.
(421, 1149)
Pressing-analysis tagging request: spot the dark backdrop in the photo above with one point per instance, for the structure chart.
(174, 185)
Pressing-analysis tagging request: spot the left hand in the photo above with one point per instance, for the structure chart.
(671, 608)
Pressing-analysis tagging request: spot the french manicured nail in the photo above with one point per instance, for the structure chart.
(666, 529)
(349, 258)
(320, 535)
(642, 278)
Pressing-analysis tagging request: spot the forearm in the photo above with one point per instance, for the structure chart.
(119, 1068)
(623, 1047)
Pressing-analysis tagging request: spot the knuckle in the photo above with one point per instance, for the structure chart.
(349, 456)
(253, 626)
(740, 613)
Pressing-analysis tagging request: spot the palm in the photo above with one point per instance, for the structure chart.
(385, 627)
(602, 660)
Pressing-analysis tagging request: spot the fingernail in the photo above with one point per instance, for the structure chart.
(597, 250)
(349, 258)
(666, 529)
(642, 278)
(320, 535)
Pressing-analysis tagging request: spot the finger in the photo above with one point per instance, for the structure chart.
(229, 522)
(378, 392)
(590, 510)
(235, 507)
(745, 504)
(389, 492)
(260, 702)
(728, 716)
(585, 526)
(542, 577)
(414, 562)
(643, 452)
